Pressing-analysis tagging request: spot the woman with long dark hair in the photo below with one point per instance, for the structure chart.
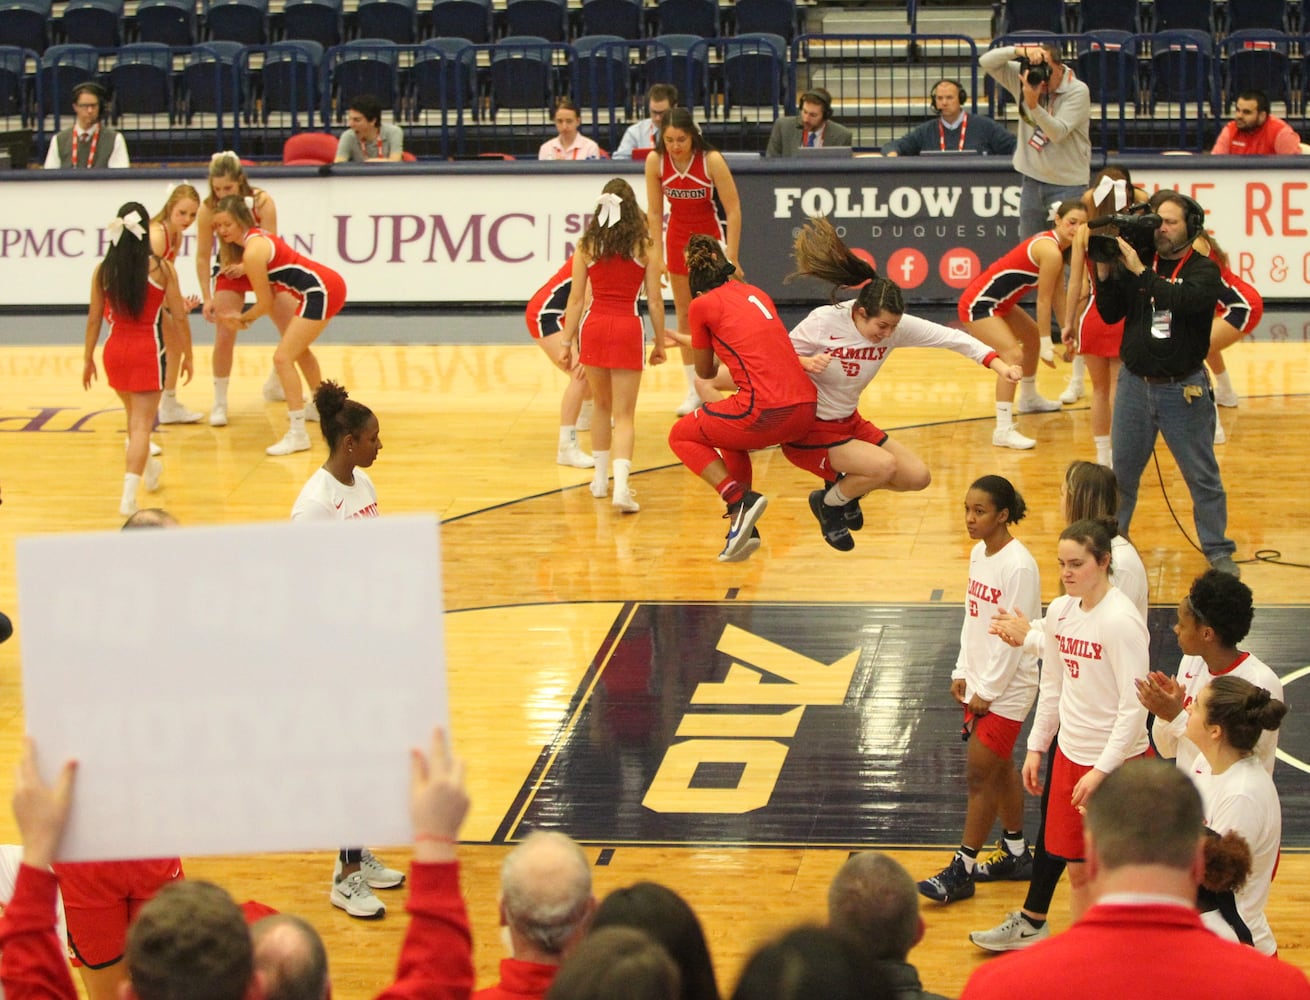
(130, 288)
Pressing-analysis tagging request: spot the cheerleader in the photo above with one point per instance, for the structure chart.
(692, 176)
(130, 288)
(996, 685)
(271, 266)
(1225, 722)
(166, 230)
(989, 310)
(1237, 313)
(616, 259)
(545, 319)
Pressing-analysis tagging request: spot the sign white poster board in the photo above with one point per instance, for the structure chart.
(234, 689)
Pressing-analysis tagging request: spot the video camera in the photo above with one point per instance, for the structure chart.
(1137, 226)
(1035, 73)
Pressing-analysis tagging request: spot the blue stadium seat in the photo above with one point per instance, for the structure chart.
(25, 24)
(142, 80)
(688, 17)
(244, 21)
(770, 17)
(93, 22)
(444, 75)
(1034, 15)
(15, 84)
(289, 80)
(467, 19)
(522, 74)
(364, 66)
(612, 17)
(1256, 59)
(675, 59)
(1181, 72)
(212, 83)
(753, 69)
(1184, 15)
(1110, 15)
(548, 19)
(1272, 15)
(320, 21)
(600, 75)
(166, 22)
(394, 20)
(62, 68)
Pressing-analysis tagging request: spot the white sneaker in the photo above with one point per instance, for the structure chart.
(155, 450)
(273, 388)
(1219, 436)
(218, 416)
(311, 411)
(127, 507)
(1009, 437)
(1036, 404)
(173, 412)
(1046, 351)
(292, 442)
(1073, 391)
(623, 501)
(1224, 397)
(575, 457)
(1012, 934)
(690, 404)
(584, 416)
(154, 469)
(376, 874)
(354, 895)
(600, 490)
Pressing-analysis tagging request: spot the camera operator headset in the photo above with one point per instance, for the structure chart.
(1167, 302)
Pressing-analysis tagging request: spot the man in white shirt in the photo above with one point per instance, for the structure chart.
(659, 99)
(88, 143)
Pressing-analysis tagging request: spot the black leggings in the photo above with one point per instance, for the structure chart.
(1046, 869)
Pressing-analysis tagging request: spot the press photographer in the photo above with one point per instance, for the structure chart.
(1165, 293)
(1054, 153)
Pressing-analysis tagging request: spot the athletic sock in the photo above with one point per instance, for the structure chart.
(297, 420)
(1033, 922)
(1224, 381)
(1014, 842)
(1028, 387)
(969, 855)
(220, 391)
(568, 437)
(622, 468)
(690, 372)
(170, 395)
(602, 473)
(836, 498)
(731, 491)
(1102, 442)
(1004, 414)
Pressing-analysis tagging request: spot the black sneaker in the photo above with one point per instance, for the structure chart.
(741, 522)
(833, 523)
(853, 515)
(746, 550)
(1002, 866)
(950, 884)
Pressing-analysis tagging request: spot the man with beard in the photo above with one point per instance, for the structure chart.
(1167, 303)
(1254, 131)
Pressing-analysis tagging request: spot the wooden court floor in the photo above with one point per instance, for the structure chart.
(543, 584)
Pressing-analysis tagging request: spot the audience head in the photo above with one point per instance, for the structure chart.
(89, 101)
(816, 108)
(1251, 110)
(150, 517)
(545, 896)
(875, 901)
(708, 266)
(290, 958)
(659, 99)
(1145, 812)
(347, 426)
(227, 177)
(123, 273)
(617, 963)
(811, 962)
(665, 916)
(364, 112)
(1090, 490)
(618, 225)
(179, 209)
(567, 118)
(948, 97)
(1234, 712)
(679, 136)
(190, 942)
(1220, 602)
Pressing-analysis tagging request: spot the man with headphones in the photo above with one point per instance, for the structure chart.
(88, 143)
(1054, 151)
(812, 127)
(1167, 304)
(954, 130)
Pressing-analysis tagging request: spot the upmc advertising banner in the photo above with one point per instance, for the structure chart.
(461, 234)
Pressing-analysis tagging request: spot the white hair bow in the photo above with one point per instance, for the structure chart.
(223, 155)
(250, 202)
(173, 186)
(1120, 188)
(609, 210)
(132, 223)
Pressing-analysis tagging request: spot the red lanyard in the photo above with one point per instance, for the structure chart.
(90, 156)
(941, 132)
(1179, 266)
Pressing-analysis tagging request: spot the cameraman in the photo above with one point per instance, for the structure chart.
(1054, 153)
(1167, 305)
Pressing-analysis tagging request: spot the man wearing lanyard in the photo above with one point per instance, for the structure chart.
(641, 135)
(1167, 305)
(812, 127)
(89, 143)
(368, 139)
(954, 129)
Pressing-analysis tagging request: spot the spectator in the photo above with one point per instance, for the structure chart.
(290, 958)
(1254, 131)
(1167, 303)
(812, 127)
(1143, 937)
(545, 906)
(642, 135)
(666, 917)
(569, 144)
(1054, 148)
(811, 962)
(954, 129)
(873, 900)
(368, 140)
(617, 963)
(96, 145)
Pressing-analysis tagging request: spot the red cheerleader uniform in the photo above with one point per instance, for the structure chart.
(690, 197)
(611, 332)
(320, 291)
(134, 351)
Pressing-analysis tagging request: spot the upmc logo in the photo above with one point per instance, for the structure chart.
(907, 267)
(958, 267)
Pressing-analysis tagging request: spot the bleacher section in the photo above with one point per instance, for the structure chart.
(469, 77)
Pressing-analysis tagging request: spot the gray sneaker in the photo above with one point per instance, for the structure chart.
(1014, 933)
(1225, 564)
(353, 895)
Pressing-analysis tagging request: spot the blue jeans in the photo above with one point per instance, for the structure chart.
(1035, 201)
(1143, 410)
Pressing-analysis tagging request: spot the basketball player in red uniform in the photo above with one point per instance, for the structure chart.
(691, 175)
(738, 324)
(272, 266)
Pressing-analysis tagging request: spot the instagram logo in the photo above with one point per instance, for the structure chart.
(958, 267)
(907, 267)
